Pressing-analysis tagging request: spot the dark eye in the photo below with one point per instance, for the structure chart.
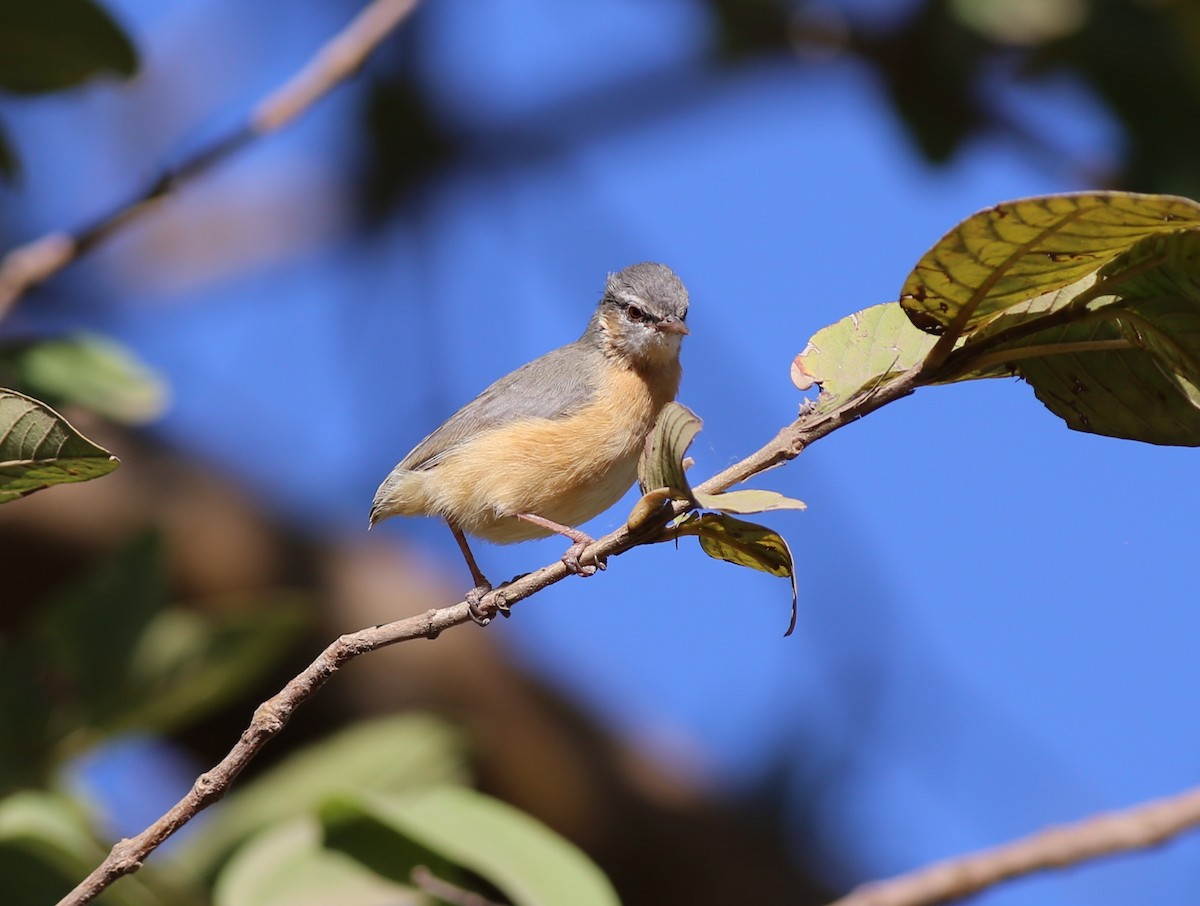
(634, 313)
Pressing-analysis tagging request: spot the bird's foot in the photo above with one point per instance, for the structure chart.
(574, 561)
(484, 602)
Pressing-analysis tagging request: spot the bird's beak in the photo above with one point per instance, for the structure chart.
(672, 324)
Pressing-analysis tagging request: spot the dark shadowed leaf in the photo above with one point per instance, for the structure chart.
(9, 165)
(745, 544)
(526, 861)
(46, 45)
(186, 664)
(91, 631)
(39, 448)
(1007, 254)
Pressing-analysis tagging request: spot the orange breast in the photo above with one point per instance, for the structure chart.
(567, 470)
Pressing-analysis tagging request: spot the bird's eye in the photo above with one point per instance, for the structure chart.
(635, 314)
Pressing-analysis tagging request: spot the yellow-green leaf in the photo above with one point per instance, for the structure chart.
(661, 463)
(1129, 366)
(745, 544)
(749, 500)
(1007, 254)
(859, 352)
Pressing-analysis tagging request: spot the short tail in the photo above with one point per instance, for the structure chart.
(400, 494)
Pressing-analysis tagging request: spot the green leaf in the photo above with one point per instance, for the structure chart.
(526, 861)
(661, 463)
(1007, 254)
(89, 371)
(859, 353)
(39, 448)
(1129, 366)
(187, 664)
(46, 45)
(387, 755)
(663, 476)
(46, 846)
(744, 544)
(287, 865)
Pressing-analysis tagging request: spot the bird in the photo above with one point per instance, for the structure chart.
(556, 442)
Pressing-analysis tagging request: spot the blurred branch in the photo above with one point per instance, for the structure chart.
(1134, 828)
(28, 265)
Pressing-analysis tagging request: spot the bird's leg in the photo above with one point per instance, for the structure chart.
(475, 596)
(572, 559)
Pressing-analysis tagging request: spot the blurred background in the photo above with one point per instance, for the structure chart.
(995, 629)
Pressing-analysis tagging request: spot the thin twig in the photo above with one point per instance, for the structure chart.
(1139, 827)
(28, 265)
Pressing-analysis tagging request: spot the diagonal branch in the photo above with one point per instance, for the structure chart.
(128, 855)
(28, 265)
(1138, 827)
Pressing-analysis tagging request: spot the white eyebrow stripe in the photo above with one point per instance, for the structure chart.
(631, 298)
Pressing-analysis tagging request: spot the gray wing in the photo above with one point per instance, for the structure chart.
(554, 386)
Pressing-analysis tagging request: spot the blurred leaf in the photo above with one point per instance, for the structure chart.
(46, 45)
(750, 27)
(408, 143)
(46, 847)
(1004, 255)
(860, 352)
(9, 165)
(286, 865)
(91, 631)
(388, 755)
(27, 709)
(39, 448)
(188, 664)
(526, 861)
(744, 544)
(1021, 22)
(89, 371)
(931, 67)
(661, 462)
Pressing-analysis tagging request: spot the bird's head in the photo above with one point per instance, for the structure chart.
(641, 316)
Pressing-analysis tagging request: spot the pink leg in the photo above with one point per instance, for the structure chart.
(573, 557)
(482, 585)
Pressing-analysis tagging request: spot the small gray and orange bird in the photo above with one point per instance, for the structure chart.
(557, 441)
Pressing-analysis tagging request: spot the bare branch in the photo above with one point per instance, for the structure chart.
(1108, 834)
(128, 855)
(26, 266)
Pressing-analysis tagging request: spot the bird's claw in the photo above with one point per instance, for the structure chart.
(484, 602)
(573, 560)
